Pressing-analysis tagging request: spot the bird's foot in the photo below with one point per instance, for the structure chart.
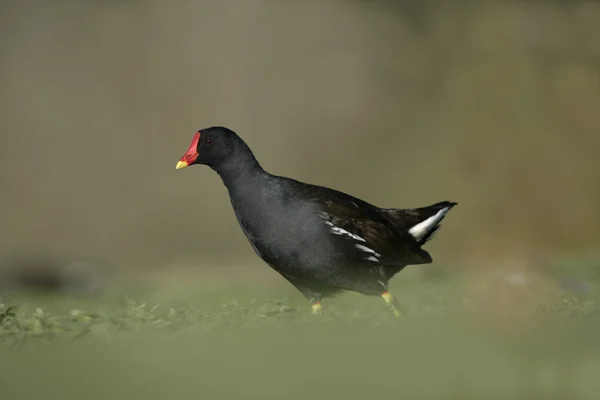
(392, 303)
(316, 308)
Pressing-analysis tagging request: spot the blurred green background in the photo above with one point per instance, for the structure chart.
(493, 104)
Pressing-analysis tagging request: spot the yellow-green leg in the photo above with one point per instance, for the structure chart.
(316, 307)
(392, 303)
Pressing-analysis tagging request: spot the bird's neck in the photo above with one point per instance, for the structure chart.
(239, 171)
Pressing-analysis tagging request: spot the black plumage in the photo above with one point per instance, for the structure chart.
(321, 240)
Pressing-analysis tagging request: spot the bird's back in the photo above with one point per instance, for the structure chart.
(387, 229)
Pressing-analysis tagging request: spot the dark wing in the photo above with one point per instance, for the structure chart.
(374, 239)
(368, 231)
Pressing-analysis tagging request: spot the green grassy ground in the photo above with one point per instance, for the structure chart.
(454, 342)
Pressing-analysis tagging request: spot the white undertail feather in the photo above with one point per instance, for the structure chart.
(420, 230)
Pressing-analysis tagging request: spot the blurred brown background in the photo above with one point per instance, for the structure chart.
(491, 104)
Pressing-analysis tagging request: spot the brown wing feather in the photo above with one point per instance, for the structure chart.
(383, 230)
(393, 243)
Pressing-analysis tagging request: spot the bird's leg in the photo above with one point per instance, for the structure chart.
(311, 295)
(315, 306)
(392, 303)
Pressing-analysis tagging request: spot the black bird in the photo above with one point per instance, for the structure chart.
(321, 240)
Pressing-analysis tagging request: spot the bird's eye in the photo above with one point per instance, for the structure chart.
(208, 141)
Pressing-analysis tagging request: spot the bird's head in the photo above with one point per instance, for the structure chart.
(210, 146)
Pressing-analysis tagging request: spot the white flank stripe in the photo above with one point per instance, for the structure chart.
(340, 231)
(422, 228)
(368, 250)
(336, 230)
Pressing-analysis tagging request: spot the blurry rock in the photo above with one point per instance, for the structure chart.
(53, 274)
(517, 278)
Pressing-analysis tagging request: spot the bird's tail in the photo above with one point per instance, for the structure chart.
(422, 223)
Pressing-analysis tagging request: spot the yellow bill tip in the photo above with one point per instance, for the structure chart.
(181, 164)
